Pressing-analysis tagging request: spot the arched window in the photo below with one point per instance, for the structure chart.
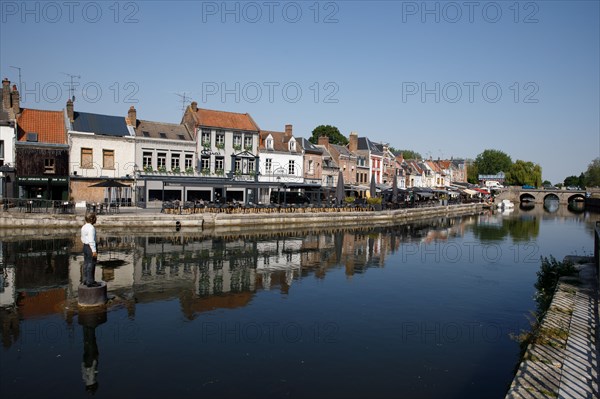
(269, 142)
(292, 145)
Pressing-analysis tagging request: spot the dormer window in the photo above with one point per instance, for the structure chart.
(292, 145)
(269, 142)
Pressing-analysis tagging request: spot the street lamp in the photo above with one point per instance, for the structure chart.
(278, 189)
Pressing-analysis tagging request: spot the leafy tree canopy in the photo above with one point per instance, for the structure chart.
(575, 181)
(571, 181)
(472, 172)
(335, 137)
(406, 154)
(523, 172)
(490, 162)
(592, 174)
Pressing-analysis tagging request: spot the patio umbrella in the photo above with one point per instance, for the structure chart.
(395, 190)
(110, 184)
(373, 187)
(339, 190)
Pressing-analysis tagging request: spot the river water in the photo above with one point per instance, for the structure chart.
(423, 310)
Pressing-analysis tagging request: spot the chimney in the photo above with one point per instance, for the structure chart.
(15, 100)
(132, 116)
(70, 110)
(288, 131)
(353, 142)
(5, 94)
(324, 141)
(194, 106)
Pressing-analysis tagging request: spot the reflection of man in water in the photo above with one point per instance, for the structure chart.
(89, 367)
(89, 321)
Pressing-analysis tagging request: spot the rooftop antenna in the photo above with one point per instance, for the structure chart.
(72, 85)
(19, 69)
(184, 100)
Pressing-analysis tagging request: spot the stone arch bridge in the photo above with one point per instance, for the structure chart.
(518, 195)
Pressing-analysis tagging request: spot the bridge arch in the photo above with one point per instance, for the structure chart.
(551, 196)
(526, 197)
(575, 197)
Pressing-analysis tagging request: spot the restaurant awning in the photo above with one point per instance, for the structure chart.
(469, 191)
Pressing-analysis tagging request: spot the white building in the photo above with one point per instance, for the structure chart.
(8, 136)
(101, 147)
(281, 161)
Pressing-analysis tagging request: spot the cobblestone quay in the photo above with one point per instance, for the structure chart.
(564, 364)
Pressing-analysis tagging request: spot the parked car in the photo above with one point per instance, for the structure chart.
(528, 187)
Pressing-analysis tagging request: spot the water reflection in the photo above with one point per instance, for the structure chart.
(551, 204)
(498, 227)
(576, 207)
(41, 277)
(363, 284)
(89, 321)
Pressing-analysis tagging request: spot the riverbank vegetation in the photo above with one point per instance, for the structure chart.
(551, 270)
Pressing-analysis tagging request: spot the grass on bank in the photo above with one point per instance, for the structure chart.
(548, 276)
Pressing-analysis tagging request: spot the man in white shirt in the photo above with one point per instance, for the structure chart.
(88, 238)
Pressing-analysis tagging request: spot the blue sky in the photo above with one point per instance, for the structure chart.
(441, 78)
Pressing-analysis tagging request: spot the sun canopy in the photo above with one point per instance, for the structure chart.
(109, 183)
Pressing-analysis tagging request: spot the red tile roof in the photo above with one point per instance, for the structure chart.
(226, 120)
(444, 164)
(280, 141)
(435, 167)
(49, 125)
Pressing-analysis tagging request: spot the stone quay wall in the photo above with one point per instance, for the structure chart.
(268, 221)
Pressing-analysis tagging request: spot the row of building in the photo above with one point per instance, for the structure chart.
(210, 155)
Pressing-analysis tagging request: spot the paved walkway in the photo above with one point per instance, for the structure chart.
(562, 362)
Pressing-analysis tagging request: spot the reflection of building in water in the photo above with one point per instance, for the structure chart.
(278, 261)
(7, 279)
(205, 266)
(351, 249)
(34, 278)
(41, 275)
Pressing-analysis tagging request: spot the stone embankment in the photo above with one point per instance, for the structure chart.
(273, 221)
(562, 360)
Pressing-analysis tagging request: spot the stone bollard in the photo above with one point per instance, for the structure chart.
(92, 296)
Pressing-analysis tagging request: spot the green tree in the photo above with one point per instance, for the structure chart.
(546, 183)
(335, 137)
(571, 181)
(581, 180)
(406, 154)
(472, 172)
(592, 174)
(523, 172)
(490, 162)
